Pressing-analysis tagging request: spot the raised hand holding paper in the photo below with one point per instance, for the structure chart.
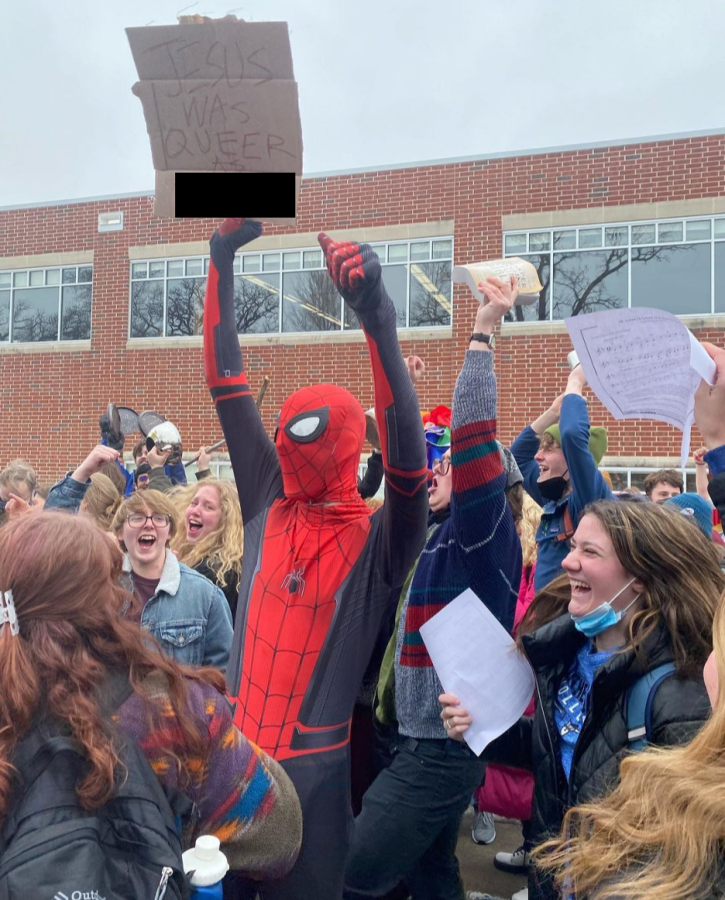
(526, 275)
(477, 661)
(642, 364)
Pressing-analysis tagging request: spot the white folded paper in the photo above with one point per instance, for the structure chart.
(477, 661)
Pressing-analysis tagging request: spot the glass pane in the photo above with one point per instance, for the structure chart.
(590, 237)
(719, 229)
(193, 267)
(256, 304)
(667, 232)
(37, 278)
(292, 260)
(539, 312)
(20, 279)
(206, 265)
(395, 279)
(5, 279)
(397, 252)
(270, 263)
(673, 278)
(185, 306)
(616, 237)
(175, 268)
(540, 240)
(442, 249)
(310, 302)
(52, 276)
(85, 274)
(237, 265)
(350, 320)
(69, 276)
(35, 314)
(139, 270)
(147, 308)
(564, 240)
(720, 278)
(698, 231)
(637, 480)
(156, 270)
(420, 250)
(312, 259)
(430, 294)
(380, 251)
(619, 480)
(75, 322)
(252, 264)
(514, 244)
(588, 282)
(4, 315)
(643, 234)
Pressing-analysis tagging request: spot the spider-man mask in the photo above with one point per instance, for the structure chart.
(319, 441)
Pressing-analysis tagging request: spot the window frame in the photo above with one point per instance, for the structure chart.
(12, 288)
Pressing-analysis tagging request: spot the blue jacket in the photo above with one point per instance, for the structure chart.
(188, 615)
(586, 480)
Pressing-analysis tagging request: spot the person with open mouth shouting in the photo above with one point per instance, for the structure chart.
(182, 609)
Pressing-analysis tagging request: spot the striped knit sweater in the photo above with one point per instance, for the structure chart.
(477, 548)
(243, 796)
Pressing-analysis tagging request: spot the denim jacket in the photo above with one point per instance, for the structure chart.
(188, 615)
(67, 494)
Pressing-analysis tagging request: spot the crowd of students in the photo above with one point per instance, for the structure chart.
(243, 637)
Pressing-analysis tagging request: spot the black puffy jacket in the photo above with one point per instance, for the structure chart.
(680, 707)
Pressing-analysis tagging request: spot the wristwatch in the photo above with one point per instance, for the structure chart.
(489, 339)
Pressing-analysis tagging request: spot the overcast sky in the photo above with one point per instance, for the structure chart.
(380, 81)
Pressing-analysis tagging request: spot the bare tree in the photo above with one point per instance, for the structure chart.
(256, 305)
(147, 308)
(32, 324)
(311, 302)
(76, 317)
(185, 306)
(426, 308)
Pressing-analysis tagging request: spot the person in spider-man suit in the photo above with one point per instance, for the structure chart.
(319, 569)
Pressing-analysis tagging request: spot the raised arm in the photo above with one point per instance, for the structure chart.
(481, 519)
(252, 454)
(356, 273)
(526, 446)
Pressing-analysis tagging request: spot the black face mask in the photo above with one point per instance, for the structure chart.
(553, 488)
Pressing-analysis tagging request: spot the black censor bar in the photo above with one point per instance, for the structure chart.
(213, 194)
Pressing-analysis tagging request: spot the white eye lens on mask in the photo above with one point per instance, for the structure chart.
(305, 427)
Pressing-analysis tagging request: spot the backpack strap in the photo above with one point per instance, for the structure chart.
(569, 529)
(638, 704)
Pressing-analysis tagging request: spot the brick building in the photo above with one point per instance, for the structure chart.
(99, 300)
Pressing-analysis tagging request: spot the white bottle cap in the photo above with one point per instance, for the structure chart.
(206, 860)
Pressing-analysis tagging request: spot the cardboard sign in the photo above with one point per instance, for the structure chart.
(218, 96)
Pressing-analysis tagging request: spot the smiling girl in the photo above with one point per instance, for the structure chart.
(644, 588)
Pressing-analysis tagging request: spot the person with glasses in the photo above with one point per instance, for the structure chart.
(182, 609)
(411, 815)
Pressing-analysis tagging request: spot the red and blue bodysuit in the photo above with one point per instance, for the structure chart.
(319, 570)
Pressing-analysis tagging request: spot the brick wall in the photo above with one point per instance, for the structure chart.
(52, 400)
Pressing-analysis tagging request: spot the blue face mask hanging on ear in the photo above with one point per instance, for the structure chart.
(603, 617)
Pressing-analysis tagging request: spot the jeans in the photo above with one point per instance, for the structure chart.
(408, 827)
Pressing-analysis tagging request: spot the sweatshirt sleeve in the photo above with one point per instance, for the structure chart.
(481, 519)
(587, 482)
(524, 449)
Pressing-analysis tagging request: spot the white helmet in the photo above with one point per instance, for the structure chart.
(167, 436)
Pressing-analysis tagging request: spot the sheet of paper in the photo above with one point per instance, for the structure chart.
(477, 661)
(526, 276)
(642, 364)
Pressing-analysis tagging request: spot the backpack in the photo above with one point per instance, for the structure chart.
(638, 705)
(53, 849)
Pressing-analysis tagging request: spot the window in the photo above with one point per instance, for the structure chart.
(289, 292)
(46, 304)
(677, 265)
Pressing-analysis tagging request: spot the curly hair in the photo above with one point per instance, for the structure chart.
(102, 500)
(222, 548)
(64, 573)
(530, 518)
(660, 832)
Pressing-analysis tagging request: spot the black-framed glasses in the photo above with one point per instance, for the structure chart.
(138, 520)
(444, 465)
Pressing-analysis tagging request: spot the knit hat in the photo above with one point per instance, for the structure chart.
(698, 509)
(513, 473)
(597, 440)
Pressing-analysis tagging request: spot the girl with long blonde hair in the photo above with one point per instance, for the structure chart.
(211, 539)
(661, 832)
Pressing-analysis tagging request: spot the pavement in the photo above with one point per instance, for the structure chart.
(476, 860)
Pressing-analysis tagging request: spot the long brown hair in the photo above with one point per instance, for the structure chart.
(660, 832)
(680, 572)
(64, 572)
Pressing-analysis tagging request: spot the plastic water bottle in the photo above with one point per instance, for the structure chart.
(209, 866)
